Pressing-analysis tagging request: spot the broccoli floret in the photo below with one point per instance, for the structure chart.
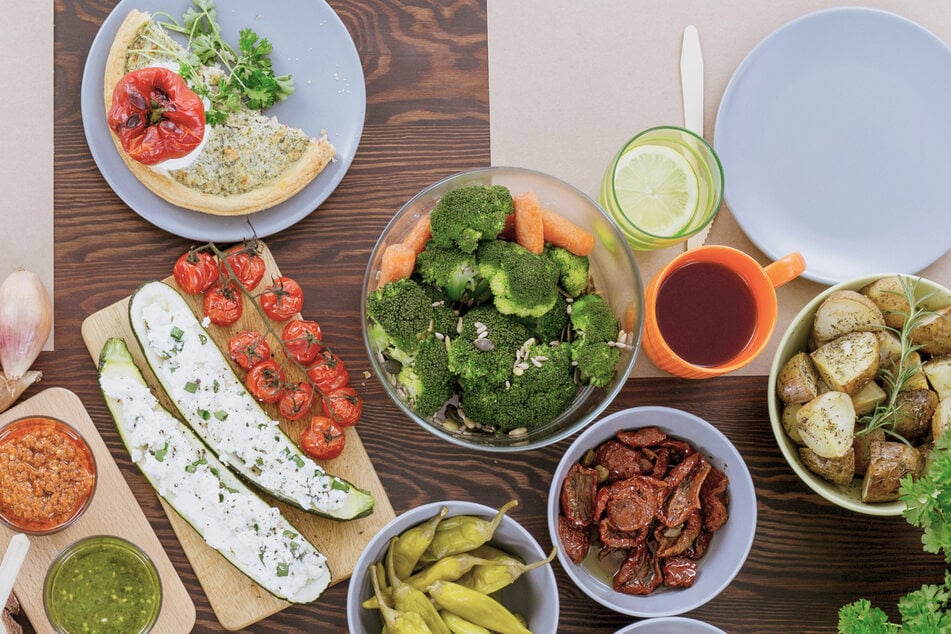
(426, 380)
(551, 325)
(596, 362)
(487, 358)
(463, 217)
(489, 256)
(403, 315)
(592, 319)
(526, 284)
(452, 270)
(572, 270)
(541, 392)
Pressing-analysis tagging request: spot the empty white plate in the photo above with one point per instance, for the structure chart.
(835, 138)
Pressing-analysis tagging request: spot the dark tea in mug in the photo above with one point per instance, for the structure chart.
(706, 313)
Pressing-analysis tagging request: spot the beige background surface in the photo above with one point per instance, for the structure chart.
(571, 81)
(26, 127)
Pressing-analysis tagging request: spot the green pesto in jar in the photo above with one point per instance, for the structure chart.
(104, 585)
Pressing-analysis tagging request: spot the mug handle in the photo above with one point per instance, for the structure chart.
(785, 269)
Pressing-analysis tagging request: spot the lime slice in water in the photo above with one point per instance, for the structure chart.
(656, 189)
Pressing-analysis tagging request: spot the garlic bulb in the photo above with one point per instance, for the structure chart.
(25, 321)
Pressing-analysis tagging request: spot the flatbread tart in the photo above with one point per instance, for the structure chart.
(248, 163)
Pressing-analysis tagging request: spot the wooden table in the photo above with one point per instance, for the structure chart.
(425, 63)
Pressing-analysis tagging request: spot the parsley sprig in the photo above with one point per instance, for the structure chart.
(248, 76)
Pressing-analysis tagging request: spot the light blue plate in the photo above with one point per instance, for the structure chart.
(835, 138)
(312, 44)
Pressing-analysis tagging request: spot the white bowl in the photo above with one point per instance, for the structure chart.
(730, 545)
(795, 340)
(670, 625)
(534, 595)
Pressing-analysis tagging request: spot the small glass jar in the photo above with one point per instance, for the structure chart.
(105, 584)
(47, 475)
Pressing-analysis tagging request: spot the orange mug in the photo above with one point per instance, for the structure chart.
(712, 309)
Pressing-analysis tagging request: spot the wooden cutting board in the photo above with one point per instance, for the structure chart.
(114, 511)
(236, 600)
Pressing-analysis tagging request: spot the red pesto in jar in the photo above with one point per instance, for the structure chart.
(47, 474)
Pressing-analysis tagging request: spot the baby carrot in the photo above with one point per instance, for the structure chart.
(529, 231)
(419, 235)
(561, 232)
(398, 262)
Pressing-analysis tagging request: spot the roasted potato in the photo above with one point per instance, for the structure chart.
(835, 470)
(826, 424)
(889, 348)
(868, 398)
(938, 372)
(889, 462)
(915, 409)
(941, 419)
(848, 362)
(888, 294)
(843, 312)
(862, 446)
(798, 381)
(789, 422)
(934, 333)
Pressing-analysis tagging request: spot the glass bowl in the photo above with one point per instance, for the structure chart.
(78, 589)
(613, 270)
(40, 453)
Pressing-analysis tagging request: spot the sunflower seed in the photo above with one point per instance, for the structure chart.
(485, 345)
(520, 431)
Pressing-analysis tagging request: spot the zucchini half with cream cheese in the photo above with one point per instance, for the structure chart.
(215, 404)
(229, 516)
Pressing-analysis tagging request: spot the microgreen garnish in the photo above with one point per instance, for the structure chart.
(248, 76)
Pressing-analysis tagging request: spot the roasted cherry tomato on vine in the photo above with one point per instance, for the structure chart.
(223, 304)
(328, 372)
(282, 299)
(343, 405)
(249, 348)
(265, 381)
(303, 340)
(156, 116)
(322, 439)
(296, 400)
(195, 272)
(246, 263)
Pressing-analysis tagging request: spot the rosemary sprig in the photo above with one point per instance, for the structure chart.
(886, 414)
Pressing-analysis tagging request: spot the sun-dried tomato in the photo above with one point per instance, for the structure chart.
(713, 500)
(700, 545)
(639, 573)
(620, 460)
(679, 572)
(578, 494)
(661, 463)
(574, 539)
(644, 437)
(684, 484)
(611, 537)
(676, 540)
(634, 502)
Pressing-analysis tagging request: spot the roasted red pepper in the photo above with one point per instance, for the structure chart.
(156, 116)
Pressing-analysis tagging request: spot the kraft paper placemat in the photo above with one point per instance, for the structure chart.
(570, 82)
(26, 127)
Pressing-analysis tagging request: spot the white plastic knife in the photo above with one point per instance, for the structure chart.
(691, 82)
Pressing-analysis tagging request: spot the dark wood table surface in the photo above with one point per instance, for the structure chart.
(426, 69)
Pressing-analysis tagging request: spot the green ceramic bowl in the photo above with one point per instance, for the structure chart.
(793, 341)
